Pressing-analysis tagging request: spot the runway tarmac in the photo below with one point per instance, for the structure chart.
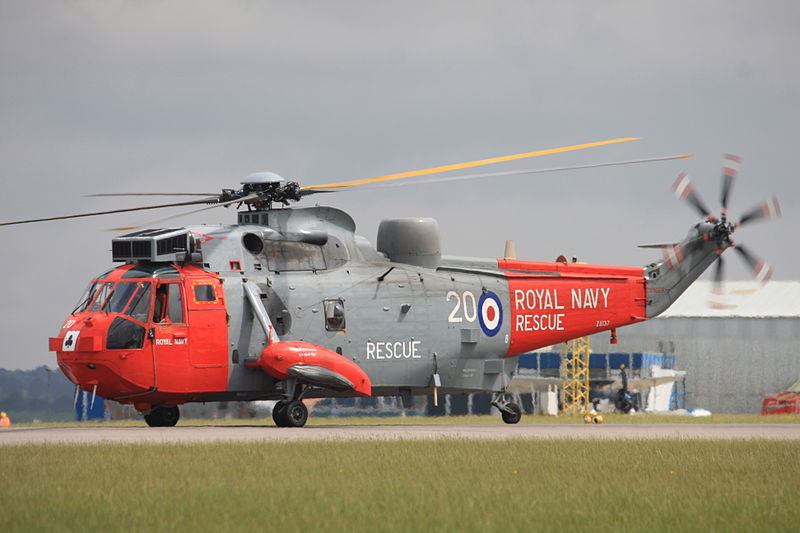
(182, 434)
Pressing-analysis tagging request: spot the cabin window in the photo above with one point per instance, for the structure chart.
(204, 293)
(293, 256)
(334, 315)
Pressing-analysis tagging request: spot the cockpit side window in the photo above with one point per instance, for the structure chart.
(175, 304)
(168, 304)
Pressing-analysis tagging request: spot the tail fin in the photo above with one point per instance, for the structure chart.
(682, 264)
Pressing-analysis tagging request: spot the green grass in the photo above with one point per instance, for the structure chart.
(431, 486)
(449, 420)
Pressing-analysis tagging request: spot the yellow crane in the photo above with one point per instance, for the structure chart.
(575, 377)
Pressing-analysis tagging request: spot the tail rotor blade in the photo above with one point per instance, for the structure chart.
(761, 270)
(769, 210)
(684, 190)
(730, 168)
(717, 289)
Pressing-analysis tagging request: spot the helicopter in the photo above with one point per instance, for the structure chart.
(289, 303)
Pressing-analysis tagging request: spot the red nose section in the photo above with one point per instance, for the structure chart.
(314, 364)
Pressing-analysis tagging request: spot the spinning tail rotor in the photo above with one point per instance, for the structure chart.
(718, 230)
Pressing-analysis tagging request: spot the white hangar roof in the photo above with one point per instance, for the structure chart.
(740, 299)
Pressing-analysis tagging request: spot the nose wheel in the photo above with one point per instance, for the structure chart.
(163, 416)
(290, 414)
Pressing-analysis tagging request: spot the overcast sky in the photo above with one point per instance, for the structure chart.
(150, 96)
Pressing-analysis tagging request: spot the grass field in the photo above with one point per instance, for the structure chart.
(442, 485)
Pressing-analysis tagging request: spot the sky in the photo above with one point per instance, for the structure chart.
(192, 96)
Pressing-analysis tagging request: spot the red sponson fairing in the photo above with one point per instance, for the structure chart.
(553, 302)
(313, 363)
(783, 403)
(177, 362)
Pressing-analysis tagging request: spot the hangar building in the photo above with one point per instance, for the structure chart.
(734, 354)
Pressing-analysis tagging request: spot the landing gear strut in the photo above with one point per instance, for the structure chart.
(163, 416)
(510, 411)
(291, 413)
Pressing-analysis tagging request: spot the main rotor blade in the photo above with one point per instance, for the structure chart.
(458, 166)
(761, 270)
(221, 204)
(684, 190)
(512, 173)
(110, 212)
(769, 210)
(151, 194)
(730, 168)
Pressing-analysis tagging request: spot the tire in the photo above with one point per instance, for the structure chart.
(279, 414)
(513, 415)
(296, 414)
(170, 414)
(163, 416)
(153, 418)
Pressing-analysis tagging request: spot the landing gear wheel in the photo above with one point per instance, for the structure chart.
(296, 414)
(163, 416)
(153, 418)
(511, 413)
(170, 414)
(279, 414)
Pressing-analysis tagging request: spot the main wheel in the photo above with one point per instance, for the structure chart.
(170, 414)
(296, 414)
(153, 418)
(279, 414)
(163, 416)
(513, 414)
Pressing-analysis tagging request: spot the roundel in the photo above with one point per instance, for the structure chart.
(490, 313)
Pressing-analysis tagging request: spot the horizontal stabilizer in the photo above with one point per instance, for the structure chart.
(660, 245)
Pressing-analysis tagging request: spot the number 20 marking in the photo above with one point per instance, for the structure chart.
(465, 303)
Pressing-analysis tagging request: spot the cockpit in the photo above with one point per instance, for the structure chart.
(139, 303)
(145, 329)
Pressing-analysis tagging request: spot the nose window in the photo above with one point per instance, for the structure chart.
(120, 296)
(139, 307)
(102, 296)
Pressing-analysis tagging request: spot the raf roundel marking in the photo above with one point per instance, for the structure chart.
(490, 313)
